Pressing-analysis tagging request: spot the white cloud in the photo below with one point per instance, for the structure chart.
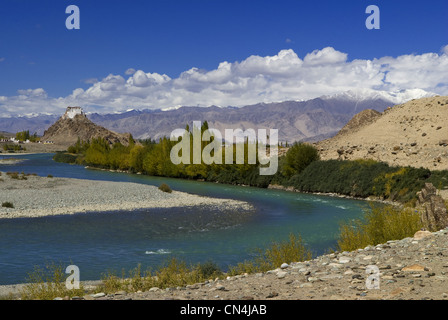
(445, 50)
(2, 59)
(325, 56)
(130, 71)
(90, 80)
(284, 76)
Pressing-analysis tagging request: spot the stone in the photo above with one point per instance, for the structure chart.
(284, 266)
(281, 274)
(313, 279)
(344, 260)
(419, 235)
(120, 293)
(414, 267)
(435, 216)
(272, 295)
(99, 295)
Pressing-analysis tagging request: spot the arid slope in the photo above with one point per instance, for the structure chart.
(414, 133)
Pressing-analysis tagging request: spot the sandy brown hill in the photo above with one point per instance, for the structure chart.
(360, 120)
(68, 128)
(414, 133)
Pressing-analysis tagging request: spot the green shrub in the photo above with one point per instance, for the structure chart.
(7, 205)
(380, 224)
(298, 157)
(50, 176)
(165, 188)
(209, 270)
(17, 176)
(64, 157)
(364, 178)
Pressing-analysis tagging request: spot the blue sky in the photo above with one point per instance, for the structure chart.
(170, 37)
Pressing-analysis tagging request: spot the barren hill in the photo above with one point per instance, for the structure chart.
(414, 133)
(74, 124)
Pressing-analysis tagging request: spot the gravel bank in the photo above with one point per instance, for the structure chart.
(414, 268)
(43, 196)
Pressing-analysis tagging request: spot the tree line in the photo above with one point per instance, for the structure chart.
(300, 168)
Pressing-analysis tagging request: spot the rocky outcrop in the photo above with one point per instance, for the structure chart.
(359, 120)
(434, 217)
(74, 124)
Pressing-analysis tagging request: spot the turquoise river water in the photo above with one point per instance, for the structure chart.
(116, 241)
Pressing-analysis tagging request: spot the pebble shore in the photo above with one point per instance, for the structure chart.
(414, 268)
(37, 196)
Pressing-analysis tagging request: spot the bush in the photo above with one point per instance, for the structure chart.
(298, 157)
(165, 188)
(50, 176)
(209, 270)
(15, 175)
(173, 273)
(7, 205)
(364, 178)
(64, 157)
(47, 284)
(380, 224)
(291, 250)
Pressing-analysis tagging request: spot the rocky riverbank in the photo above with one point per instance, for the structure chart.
(34, 196)
(414, 268)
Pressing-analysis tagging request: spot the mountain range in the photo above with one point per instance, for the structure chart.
(310, 120)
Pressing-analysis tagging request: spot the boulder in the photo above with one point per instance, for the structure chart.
(419, 235)
(434, 217)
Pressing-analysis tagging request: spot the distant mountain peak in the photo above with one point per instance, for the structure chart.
(395, 97)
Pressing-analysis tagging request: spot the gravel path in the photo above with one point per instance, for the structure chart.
(43, 196)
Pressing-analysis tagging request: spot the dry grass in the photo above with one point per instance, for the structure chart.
(47, 284)
(380, 224)
(291, 250)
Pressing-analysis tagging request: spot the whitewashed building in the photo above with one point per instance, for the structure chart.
(71, 112)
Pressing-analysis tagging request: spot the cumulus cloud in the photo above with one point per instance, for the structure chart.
(445, 50)
(280, 77)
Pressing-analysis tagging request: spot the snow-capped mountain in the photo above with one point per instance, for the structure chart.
(395, 97)
(313, 119)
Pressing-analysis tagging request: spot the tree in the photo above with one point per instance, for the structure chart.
(298, 157)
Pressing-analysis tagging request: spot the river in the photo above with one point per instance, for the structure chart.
(116, 241)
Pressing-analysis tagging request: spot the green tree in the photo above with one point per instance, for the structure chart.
(298, 157)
